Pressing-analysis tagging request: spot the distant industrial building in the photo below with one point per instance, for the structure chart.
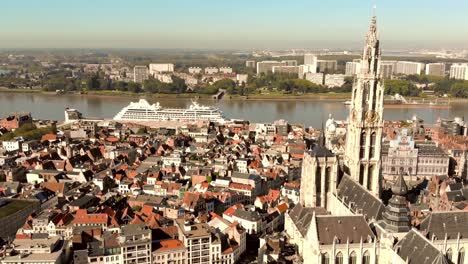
(327, 65)
(140, 74)
(459, 71)
(409, 68)
(352, 68)
(155, 68)
(436, 69)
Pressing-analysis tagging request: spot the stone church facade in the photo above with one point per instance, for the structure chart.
(340, 218)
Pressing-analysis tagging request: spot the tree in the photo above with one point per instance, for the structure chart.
(134, 87)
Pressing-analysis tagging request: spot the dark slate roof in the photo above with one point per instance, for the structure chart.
(456, 186)
(343, 228)
(415, 249)
(451, 223)
(455, 196)
(302, 216)
(247, 215)
(363, 201)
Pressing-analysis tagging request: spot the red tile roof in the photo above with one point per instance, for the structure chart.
(170, 244)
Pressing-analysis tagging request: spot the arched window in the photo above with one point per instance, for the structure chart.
(352, 258)
(325, 258)
(339, 258)
(461, 256)
(370, 176)
(366, 258)
(318, 183)
(327, 179)
(361, 174)
(448, 254)
(372, 145)
(362, 151)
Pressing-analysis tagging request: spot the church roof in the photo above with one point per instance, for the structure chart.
(438, 224)
(362, 201)
(302, 216)
(400, 188)
(414, 248)
(344, 229)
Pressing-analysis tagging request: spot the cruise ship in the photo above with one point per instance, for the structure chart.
(144, 111)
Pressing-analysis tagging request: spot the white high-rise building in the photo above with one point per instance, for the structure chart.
(352, 68)
(155, 68)
(310, 59)
(387, 69)
(436, 69)
(459, 71)
(304, 69)
(409, 67)
(140, 74)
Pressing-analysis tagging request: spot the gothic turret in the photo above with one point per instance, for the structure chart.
(396, 216)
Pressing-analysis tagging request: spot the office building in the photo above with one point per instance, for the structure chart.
(267, 66)
(352, 68)
(409, 67)
(140, 74)
(459, 71)
(436, 69)
(155, 68)
(327, 65)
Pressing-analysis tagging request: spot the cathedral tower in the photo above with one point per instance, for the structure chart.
(319, 175)
(365, 121)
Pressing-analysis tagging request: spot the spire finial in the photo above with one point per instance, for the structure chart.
(322, 136)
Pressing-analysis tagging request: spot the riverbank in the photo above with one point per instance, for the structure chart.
(250, 97)
(310, 96)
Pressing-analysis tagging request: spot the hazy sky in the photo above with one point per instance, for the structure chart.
(230, 23)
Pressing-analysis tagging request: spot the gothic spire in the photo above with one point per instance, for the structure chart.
(400, 188)
(321, 141)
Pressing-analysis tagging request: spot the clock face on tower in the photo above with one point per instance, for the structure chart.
(372, 116)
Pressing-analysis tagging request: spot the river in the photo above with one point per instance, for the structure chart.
(310, 112)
